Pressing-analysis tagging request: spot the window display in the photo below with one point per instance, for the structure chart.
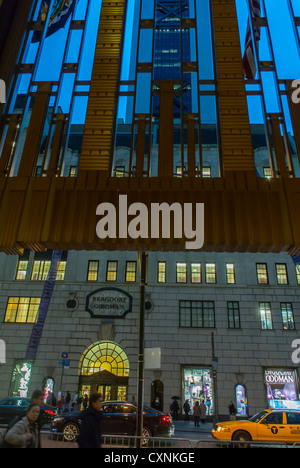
(282, 389)
(198, 387)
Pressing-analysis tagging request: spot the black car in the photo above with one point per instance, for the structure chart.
(119, 418)
(12, 407)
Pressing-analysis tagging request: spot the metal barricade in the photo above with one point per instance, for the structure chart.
(59, 440)
(239, 444)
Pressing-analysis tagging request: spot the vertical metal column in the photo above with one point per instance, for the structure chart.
(142, 262)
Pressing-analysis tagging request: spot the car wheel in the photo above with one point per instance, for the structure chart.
(241, 436)
(147, 434)
(70, 432)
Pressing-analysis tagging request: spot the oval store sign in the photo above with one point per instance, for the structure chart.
(109, 303)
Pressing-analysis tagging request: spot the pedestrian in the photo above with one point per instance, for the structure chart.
(232, 411)
(203, 412)
(90, 427)
(175, 408)
(25, 433)
(85, 401)
(60, 403)
(186, 409)
(75, 402)
(67, 402)
(196, 412)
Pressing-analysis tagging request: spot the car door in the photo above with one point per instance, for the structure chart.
(293, 426)
(272, 428)
(113, 419)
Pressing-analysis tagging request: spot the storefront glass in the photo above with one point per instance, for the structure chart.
(20, 381)
(282, 389)
(241, 400)
(198, 387)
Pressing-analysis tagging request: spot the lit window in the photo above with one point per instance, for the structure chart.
(262, 273)
(206, 172)
(298, 273)
(265, 316)
(267, 173)
(40, 270)
(61, 271)
(230, 274)
(181, 273)
(287, 316)
(93, 270)
(210, 273)
(22, 309)
(162, 266)
(22, 269)
(111, 273)
(196, 272)
(130, 272)
(281, 272)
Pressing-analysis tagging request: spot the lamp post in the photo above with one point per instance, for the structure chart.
(142, 262)
(214, 365)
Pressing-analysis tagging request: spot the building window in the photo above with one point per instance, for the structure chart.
(196, 272)
(262, 273)
(111, 271)
(265, 316)
(120, 171)
(40, 270)
(233, 310)
(22, 309)
(281, 271)
(206, 172)
(210, 273)
(22, 269)
(130, 272)
(267, 173)
(298, 273)
(61, 271)
(161, 272)
(181, 273)
(197, 314)
(287, 316)
(73, 171)
(93, 268)
(230, 274)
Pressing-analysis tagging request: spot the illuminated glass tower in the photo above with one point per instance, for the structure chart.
(156, 93)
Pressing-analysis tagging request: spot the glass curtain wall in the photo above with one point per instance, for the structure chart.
(275, 60)
(169, 41)
(64, 59)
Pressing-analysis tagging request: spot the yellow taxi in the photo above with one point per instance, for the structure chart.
(268, 425)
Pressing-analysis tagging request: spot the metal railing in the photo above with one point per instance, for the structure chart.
(61, 440)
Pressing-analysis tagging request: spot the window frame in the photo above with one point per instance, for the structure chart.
(192, 305)
(90, 271)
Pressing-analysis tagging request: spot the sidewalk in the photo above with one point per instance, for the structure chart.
(182, 426)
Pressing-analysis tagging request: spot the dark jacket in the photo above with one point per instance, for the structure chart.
(90, 428)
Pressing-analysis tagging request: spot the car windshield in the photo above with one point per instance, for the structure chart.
(258, 417)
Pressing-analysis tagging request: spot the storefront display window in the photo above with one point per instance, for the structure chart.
(48, 386)
(198, 387)
(282, 389)
(241, 400)
(21, 379)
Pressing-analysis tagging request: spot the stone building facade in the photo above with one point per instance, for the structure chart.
(248, 303)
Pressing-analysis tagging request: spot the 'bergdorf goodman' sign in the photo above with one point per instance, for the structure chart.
(109, 303)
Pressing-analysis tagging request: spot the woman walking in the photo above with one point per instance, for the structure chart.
(25, 433)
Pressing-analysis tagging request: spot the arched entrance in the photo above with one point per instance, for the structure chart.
(104, 368)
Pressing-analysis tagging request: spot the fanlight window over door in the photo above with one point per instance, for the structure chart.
(105, 356)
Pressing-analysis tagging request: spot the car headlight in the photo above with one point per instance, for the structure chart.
(223, 429)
